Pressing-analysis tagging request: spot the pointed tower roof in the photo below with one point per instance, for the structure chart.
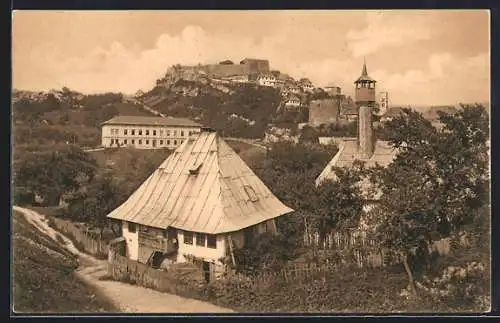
(364, 74)
(204, 186)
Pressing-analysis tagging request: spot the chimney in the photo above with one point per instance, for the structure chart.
(365, 132)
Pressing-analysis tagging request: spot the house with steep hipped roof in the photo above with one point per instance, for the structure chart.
(200, 203)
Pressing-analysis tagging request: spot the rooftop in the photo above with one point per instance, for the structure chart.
(151, 121)
(432, 112)
(364, 75)
(383, 155)
(204, 186)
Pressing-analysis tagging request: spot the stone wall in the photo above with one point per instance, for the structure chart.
(324, 111)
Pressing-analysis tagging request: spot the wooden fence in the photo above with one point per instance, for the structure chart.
(183, 279)
(89, 242)
(339, 240)
(354, 246)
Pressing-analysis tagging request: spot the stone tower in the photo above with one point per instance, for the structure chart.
(365, 101)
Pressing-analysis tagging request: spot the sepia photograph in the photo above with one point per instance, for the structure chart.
(250, 162)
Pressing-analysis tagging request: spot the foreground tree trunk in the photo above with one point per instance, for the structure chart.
(411, 283)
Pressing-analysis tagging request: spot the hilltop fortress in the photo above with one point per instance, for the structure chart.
(224, 69)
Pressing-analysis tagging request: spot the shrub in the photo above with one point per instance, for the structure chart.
(461, 288)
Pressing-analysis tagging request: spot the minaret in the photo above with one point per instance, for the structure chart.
(365, 101)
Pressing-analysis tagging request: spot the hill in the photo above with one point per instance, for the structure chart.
(55, 117)
(43, 275)
(235, 109)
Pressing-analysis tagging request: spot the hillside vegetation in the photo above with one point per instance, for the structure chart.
(43, 275)
(44, 119)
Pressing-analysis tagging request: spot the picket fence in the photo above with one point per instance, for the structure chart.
(88, 241)
(182, 279)
(339, 240)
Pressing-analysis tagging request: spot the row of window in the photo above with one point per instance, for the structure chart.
(202, 239)
(132, 132)
(139, 141)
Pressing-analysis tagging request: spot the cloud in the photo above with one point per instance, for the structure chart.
(115, 67)
(387, 29)
(446, 80)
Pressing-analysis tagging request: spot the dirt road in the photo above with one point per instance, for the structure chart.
(129, 298)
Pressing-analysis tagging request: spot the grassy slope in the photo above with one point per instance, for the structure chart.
(43, 277)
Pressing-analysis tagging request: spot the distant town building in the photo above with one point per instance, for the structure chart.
(383, 103)
(391, 113)
(293, 101)
(332, 90)
(266, 79)
(432, 113)
(200, 205)
(147, 132)
(306, 85)
(292, 88)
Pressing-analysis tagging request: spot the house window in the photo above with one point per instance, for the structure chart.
(168, 142)
(175, 142)
(168, 133)
(211, 241)
(188, 237)
(147, 132)
(125, 131)
(133, 132)
(147, 142)
(161, 132)
(140, 132)
(133, 141)
(175, 133)
(125, 141)
(161, 142)
(132, 227)
(140, 142)
(182, 133)
(201, 239)
(154, 132)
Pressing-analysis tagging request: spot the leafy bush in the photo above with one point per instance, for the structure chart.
(267, 251)
(461, 288)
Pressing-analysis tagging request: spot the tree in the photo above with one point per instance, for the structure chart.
(436, 184)
(226, 62)
(338, 204)
(53, 173)
(96, 201)
(309, 134)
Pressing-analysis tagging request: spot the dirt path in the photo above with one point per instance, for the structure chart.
(129, 298)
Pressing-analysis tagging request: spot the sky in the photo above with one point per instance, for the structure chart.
(420, 57)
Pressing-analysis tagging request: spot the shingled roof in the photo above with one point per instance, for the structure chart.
(383, 155)
(204, 186)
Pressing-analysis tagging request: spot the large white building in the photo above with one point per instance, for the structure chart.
(147, 132)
